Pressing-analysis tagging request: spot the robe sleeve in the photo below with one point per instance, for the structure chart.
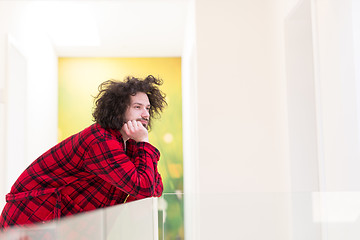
(131, 148)
(139, 178)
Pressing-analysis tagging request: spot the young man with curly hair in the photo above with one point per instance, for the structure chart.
(110, 162)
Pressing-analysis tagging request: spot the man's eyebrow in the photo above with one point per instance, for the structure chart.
(136, 103)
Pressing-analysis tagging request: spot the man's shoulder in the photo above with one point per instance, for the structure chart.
(96, 131)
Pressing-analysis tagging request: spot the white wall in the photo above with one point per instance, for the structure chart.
(338, 95)
(338, 92)
(16, 111)
(356, 44)
(242, 130)
(259, 133)
(190, 126)
(2, 121)
(19, 21)
(302, 118)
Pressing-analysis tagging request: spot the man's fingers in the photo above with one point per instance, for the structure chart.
(136, 125)
(131, 126)
(135, 130)
(126, 129)
(139, 124)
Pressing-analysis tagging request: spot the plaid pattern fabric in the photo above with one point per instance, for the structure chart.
(89, 170)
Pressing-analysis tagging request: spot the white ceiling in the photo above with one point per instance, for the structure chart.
(117, 28)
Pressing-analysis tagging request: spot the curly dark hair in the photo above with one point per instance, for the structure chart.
(114, 98)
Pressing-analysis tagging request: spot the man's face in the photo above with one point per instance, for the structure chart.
(138, 109)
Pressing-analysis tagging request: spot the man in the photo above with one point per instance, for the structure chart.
(110, 162)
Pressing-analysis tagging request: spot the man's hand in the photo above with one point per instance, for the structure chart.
(135, 130)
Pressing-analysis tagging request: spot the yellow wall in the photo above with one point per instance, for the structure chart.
(80, 77)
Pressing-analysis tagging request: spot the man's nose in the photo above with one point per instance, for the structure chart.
(145, 114)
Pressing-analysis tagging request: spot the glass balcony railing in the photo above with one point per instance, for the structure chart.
(171, 216)
(250, 216)
(133, 220)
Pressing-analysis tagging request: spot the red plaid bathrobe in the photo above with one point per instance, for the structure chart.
(86, 171)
